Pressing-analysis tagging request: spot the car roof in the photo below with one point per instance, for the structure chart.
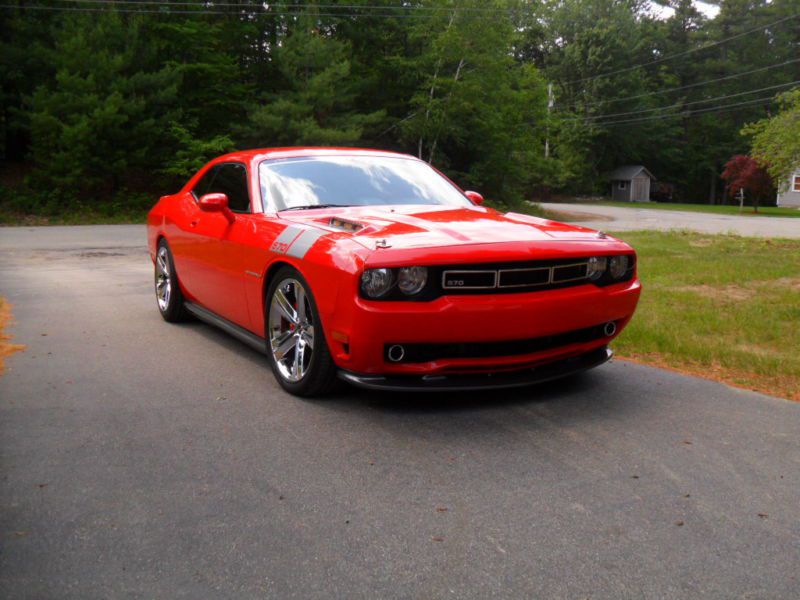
(259, 154)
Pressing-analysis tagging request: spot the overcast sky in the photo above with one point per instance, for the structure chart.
(708, 10)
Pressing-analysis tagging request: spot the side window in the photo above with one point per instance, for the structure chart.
(231, 180)
(204, 183)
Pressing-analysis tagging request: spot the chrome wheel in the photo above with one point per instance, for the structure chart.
(163, 282)
(291, 329)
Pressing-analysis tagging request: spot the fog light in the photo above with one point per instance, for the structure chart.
(396, 353)
(411, 280)
(376, 282)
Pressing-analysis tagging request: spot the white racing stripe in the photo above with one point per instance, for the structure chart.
(296, 241)
(303, 243)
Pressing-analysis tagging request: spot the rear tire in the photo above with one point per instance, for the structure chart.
(296, 347)
(169, 297)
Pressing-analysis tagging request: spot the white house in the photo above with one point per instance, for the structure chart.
(789, 194)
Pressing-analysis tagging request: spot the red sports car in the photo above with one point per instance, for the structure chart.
(375, 268)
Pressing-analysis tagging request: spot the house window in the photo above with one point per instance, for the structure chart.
(796, 183)
(622, 185)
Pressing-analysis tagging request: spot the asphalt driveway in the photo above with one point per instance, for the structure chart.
(145, 460)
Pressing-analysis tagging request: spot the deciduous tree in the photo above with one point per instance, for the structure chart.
(744, 173)
(776, 140)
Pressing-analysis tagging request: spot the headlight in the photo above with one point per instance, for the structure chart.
(618, 266)
(596, 268)
(411, 280)
(376, 282)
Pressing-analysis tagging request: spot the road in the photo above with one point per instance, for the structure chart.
(614, 218)
(146, 460)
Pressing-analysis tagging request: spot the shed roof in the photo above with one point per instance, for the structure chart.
(629, 172)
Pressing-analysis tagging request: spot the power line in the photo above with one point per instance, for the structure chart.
(266, 12)
(693, 85)
(167, 3)
(690, 113)
(684, 53)
(649, 110)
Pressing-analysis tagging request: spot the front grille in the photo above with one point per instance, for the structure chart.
(420, 353)
(466, 279)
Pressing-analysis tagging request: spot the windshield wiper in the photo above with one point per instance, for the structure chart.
(310, 206)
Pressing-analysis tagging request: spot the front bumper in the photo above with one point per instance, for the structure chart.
(359, 332)
(481, 381)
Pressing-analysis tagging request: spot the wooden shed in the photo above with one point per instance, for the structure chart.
(631, 184)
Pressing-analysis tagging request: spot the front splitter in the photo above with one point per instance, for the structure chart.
(481, 381)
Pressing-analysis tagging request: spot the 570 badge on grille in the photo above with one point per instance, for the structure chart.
(469, 280)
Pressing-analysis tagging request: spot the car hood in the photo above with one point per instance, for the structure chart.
(407, 227)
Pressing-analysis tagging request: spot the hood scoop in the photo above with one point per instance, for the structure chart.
(344, 224)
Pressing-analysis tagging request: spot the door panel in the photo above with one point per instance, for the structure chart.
(217, 267)
(211, 246)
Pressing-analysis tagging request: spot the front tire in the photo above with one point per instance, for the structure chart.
(168, 291)
(296, 347)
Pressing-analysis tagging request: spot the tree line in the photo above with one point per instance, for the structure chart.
(108, 101)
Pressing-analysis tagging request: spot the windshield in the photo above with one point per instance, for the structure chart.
(353, 181)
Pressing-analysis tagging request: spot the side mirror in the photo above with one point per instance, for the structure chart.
(216, 203)
(474, 197)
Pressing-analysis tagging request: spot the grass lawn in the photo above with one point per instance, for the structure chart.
(722, 209)
(85, 217)
(718, 306)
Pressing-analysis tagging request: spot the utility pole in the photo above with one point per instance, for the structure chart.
(549, 109)
(741, 200)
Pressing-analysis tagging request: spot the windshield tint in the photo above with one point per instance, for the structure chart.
(353, 181)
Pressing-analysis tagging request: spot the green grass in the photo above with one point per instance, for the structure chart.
(724, 307)
(722, 209)
(22, 206)
(8, 218)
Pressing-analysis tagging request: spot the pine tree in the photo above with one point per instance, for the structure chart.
(105, 113)
(316, 101)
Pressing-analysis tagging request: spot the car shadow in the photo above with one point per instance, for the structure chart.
(491, 399)
(580, 392)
